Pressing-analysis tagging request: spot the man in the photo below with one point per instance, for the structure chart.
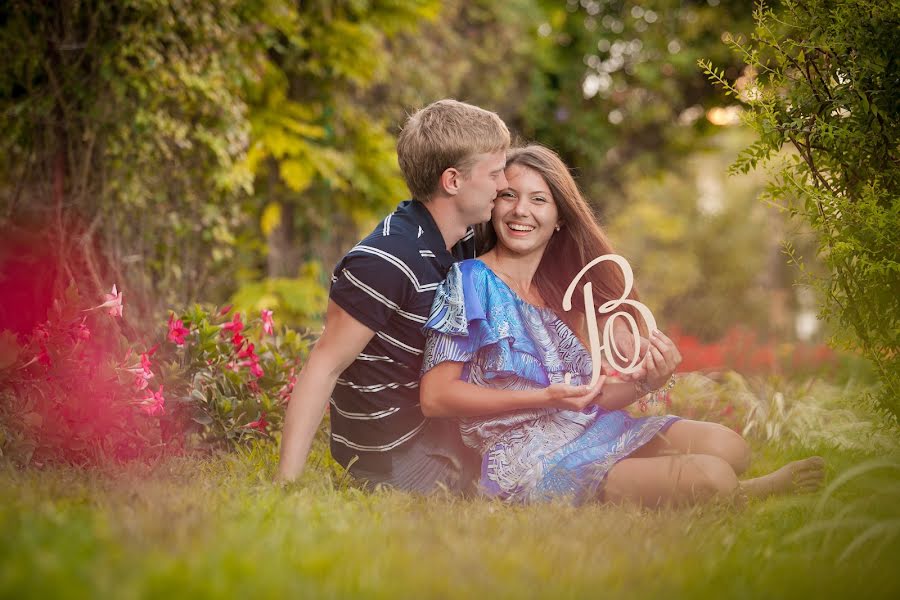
(367, 361)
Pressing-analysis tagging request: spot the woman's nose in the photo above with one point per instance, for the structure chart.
(521, 207)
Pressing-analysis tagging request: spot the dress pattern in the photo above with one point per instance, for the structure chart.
(506, 343)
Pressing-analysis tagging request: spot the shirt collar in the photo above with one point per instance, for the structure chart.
(433, 238)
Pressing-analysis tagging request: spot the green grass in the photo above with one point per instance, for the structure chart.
(216, 527)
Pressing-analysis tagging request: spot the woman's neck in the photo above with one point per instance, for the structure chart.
(516, 270)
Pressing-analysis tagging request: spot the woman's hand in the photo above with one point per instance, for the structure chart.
(573, 397)
(661, 361)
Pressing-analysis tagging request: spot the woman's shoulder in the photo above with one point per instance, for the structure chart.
(472, 267)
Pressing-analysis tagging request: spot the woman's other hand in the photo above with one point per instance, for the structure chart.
(573, 397)
(661, 361)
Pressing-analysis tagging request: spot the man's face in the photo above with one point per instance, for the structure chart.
(478, 191)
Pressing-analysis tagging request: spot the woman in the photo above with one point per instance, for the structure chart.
(500, 347)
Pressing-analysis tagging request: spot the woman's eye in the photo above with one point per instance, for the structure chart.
(538, 199)
(507, 195)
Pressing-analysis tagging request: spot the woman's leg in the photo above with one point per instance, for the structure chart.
(699, 437)
(702, 438)
(671, 480)
(796, 477)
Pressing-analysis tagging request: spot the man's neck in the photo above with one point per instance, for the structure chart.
(445, 217)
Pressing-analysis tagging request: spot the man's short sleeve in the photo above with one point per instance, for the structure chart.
(370, 287)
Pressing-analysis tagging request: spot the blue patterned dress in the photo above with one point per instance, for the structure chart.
(506, 343)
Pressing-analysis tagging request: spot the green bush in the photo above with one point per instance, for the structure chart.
(823, 77)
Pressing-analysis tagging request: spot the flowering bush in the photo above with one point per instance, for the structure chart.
(76, 389)
(741, 350)
(227, 379)
(66, 389)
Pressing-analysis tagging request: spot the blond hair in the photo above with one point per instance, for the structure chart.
(446, 134)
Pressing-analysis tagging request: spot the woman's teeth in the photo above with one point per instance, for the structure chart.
(515, 227)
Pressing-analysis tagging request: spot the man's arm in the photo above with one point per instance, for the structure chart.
(342, 340)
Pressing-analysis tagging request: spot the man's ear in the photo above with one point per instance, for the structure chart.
(450, 180)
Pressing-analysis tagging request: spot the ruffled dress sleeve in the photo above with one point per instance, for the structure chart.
(477, 320)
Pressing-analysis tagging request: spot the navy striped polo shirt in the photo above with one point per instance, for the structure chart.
(387, 283)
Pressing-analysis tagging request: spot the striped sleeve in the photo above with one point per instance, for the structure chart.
(373, 287)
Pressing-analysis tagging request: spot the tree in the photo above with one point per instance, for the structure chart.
(825, 81)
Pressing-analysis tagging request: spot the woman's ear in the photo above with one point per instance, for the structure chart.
(450, 180)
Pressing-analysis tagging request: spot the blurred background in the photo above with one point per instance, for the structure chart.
(232, 151)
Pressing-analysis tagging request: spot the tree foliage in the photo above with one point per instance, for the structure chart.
(826, 82)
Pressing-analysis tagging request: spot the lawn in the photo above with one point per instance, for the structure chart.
(214, 526)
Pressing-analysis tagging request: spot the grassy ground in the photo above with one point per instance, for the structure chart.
(215, 527)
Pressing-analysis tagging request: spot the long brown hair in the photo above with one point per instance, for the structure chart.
(579, 241)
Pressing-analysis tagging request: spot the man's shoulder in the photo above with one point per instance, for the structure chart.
(398, 238)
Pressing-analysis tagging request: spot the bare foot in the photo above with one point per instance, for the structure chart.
(798, 477)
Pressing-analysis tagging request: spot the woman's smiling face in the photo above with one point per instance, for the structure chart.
(525, 214)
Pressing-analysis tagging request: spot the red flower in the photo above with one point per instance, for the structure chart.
(235, 325)
(177, 330)
(154, 404)
(252, 360)
(237, 341)
(267, 323)
(248, 352)
(145, 363)
(260, 424)
(224, 310)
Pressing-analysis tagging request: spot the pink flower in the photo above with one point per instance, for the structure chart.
(267, 323)
(141, 381)
(252, 360)
(113, 301)
(288, 388)
(260, 424)
(177, 330)
(237, 340)
(256, 369)
(154, 404)
(248, 352)
(224, 310)
(145, 358)
(235, 325)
